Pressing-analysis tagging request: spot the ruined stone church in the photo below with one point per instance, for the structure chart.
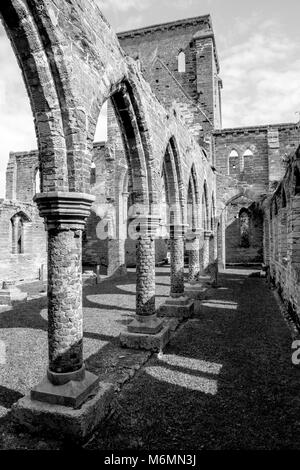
(188, 189)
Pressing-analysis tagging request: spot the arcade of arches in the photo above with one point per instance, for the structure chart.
(169, 183)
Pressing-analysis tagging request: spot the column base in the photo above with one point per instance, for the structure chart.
(61, 421)
(72, 393)
(180, 307)
(151, 342)
(196, 291)
(149, 324)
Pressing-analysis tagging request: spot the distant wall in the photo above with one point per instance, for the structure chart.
(26, 265)
(270, 147)
(236, 250)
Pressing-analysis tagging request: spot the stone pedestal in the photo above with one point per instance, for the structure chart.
(196, 291)
(54, 420)
(179, 307)
(146, 331)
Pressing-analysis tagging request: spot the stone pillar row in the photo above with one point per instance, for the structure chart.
(65, 215)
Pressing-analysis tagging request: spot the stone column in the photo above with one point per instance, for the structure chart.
(178, 305)
(201, 250)
(177, 260)
(65, 215)
(192, 246)
(146, 330)
(207, 236)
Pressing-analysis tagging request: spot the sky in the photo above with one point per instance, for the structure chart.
(258, 44)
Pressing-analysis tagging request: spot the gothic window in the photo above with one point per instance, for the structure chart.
(244, 228)
(247, 160)
(18, 223)
(181, 62)
(233, 163)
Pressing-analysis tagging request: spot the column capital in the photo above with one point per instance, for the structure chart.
(207, 234)
(64, 210)
(148, 225)
(177, 230)
(193, 233)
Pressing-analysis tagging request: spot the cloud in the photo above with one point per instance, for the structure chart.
(261, 76)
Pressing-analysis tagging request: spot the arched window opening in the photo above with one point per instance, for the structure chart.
(37, 181)
(93, 174)
(246, 160)
(181, 62)
(233, 163)
(244, 219)
(18, 223)
(20, 237)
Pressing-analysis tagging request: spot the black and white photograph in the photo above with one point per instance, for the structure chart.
(149, 228)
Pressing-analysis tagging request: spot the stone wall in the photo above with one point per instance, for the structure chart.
(21, 175)
(269, 145)
(26, 265)
(282, 237)
(238, 252)
(195, 92)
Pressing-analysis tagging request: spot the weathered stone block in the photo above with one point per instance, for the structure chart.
(181, 307)
(72, 393)
(151, 342)
(61, 421)
(196, 291)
